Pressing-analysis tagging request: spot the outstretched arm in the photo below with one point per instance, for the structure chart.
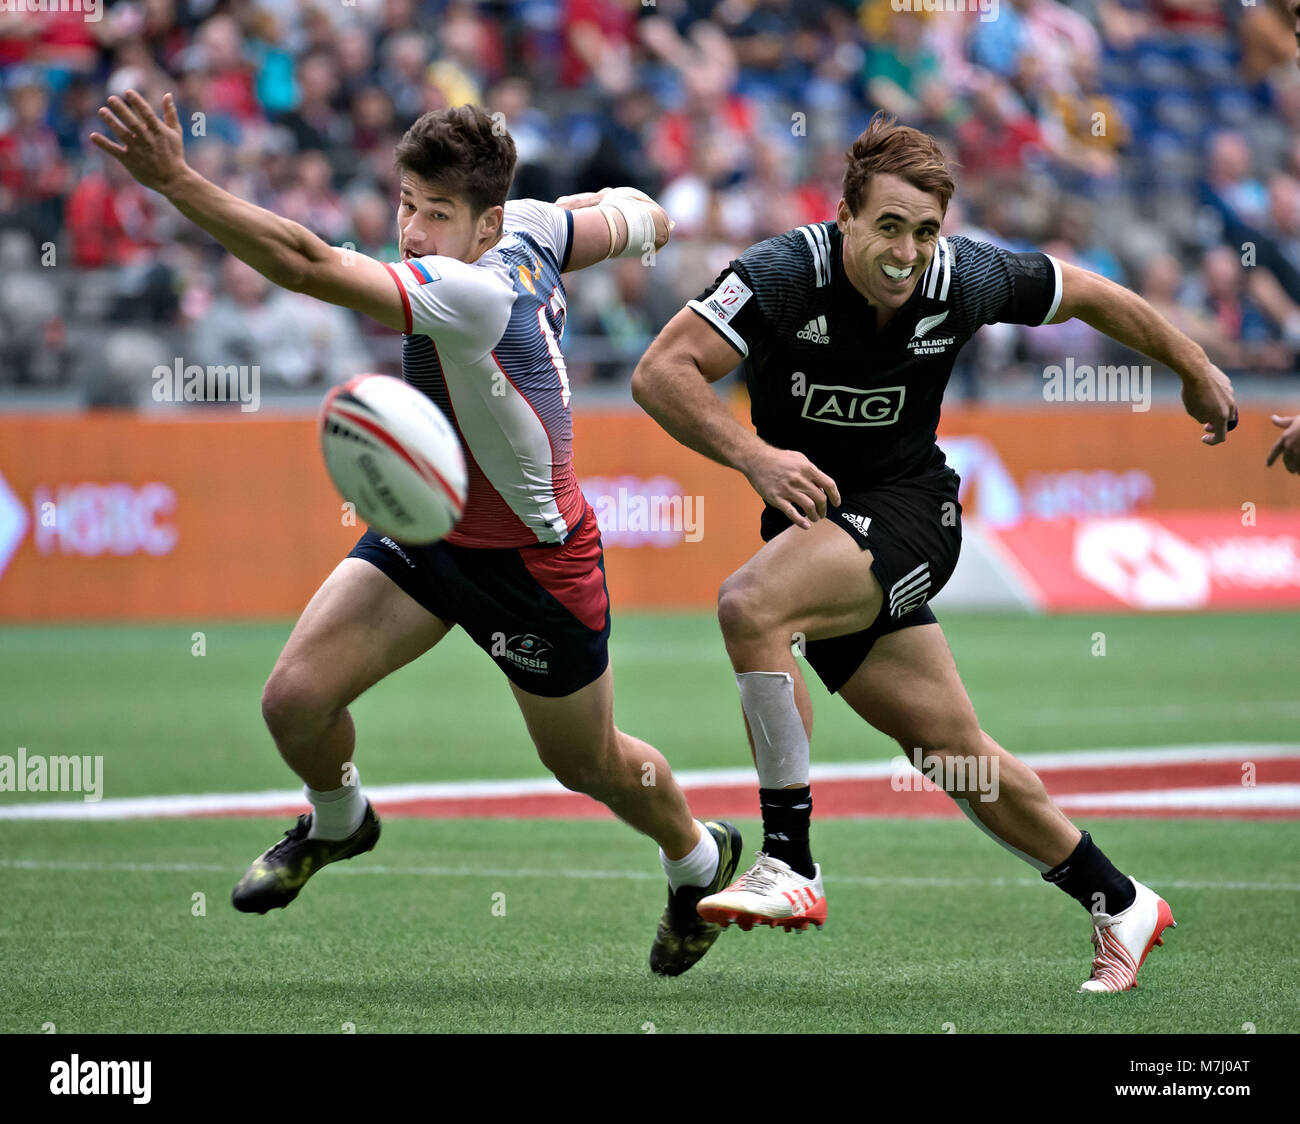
(1127, 318)
(283, 251)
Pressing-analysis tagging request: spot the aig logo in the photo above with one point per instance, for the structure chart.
(847, 405)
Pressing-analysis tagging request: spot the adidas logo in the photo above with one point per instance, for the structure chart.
(814, 331)
(858, 522)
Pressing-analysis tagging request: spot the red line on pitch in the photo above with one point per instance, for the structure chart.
(839, 799)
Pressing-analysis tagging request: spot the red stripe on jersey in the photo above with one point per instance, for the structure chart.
(406, 301)
(571, 573)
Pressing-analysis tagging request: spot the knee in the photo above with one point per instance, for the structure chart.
(744, 610)
(590, 770)
(590, 778)
(291, 704)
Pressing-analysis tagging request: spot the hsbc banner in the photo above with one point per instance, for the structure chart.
(224, 514)
(1183, 561)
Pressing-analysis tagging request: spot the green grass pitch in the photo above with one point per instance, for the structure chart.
(545, 925)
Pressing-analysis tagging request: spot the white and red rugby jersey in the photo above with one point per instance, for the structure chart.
(482, 341)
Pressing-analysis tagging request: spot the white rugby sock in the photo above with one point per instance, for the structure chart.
(781, 749)
(335, 814)
(696, 868)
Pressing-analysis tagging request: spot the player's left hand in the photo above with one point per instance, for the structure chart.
(1288, 445)
(582, 199)
(1209, 399)
(152, 150)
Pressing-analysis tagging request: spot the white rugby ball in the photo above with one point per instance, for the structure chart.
(392, 453)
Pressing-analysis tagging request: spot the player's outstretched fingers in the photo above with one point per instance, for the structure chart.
(144, 111)
(126, 114)
(119, 127)
(169, 112)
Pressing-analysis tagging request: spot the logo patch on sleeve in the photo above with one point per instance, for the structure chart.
(729, 298)
(423, 273)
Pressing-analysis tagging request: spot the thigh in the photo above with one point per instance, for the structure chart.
(573, 731)
(909, 689)
(817, 581)
(359, 627)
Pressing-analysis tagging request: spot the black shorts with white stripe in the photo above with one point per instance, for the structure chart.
(913, 529)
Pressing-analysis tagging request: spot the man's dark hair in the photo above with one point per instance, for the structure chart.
(463, 151)
(887, 148)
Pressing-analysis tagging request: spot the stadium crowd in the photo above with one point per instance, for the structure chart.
(1154, 141)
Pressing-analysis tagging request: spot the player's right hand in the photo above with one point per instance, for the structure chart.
(1209, 399)
(152, 150)
(792, 484)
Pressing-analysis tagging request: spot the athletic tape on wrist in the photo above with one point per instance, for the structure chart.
(640, 223)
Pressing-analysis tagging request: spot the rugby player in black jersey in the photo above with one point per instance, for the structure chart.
(849, 330)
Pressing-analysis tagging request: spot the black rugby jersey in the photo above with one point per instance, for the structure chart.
(861, 404)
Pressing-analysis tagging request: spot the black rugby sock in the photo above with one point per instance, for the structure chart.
(787, 817)
(1091, 879)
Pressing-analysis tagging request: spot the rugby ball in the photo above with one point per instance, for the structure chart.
(394, 455)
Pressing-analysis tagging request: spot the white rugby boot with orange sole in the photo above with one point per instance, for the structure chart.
(769, 893)
(1123, 940)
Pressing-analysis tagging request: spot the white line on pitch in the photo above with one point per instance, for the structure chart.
(632, 875)
(131, 807)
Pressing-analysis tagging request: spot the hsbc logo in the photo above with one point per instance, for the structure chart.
(848, 405)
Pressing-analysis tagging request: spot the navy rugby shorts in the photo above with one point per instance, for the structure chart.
(541, 612)
(913, 529)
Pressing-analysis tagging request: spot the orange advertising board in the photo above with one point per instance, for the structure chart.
(201, 516)
(116, 516)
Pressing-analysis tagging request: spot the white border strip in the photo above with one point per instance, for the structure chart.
(133, 807)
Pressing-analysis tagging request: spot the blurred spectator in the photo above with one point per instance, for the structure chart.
(622, 156)
(314, 122)
(512, 98)
(1000, 135)
(1160, 283)
(33, 173)
(734, 113)
(598, 40)
(1234, 297)
(293, 339)
(899, 66)
(312, 199)
(625, 310)
(1230, 187)
(402, 74)
(111, 219)
(231, 76)
(817, 198)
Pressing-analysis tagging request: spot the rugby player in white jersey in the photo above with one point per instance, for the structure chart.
(849, 330)
(479, 298)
